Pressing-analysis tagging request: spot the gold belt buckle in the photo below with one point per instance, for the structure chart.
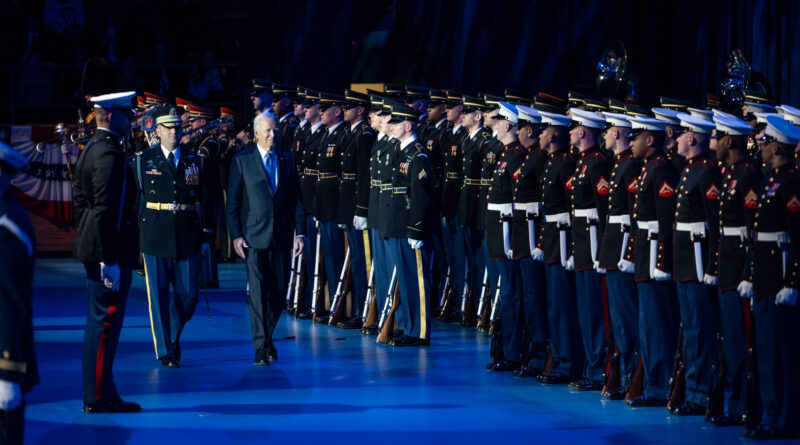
(174, 206)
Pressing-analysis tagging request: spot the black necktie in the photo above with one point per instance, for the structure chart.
(171, 162)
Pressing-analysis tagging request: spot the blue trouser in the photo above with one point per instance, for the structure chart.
(382, 263)
(332, 251)
(170, 311)
(490, 267)
(623, 309)
(310, 260)
(458, 264)
(511, 317)
(778, 359)
(562, 321)
(101, 335)
(449, 230)
(534, 304)
(358, 268)
(476, 258)
(732, 324)
(413, 316)
(699, 321)
(658, 335)
(440, 262)
(591, 319)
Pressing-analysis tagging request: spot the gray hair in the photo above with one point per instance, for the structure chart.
(263, 117)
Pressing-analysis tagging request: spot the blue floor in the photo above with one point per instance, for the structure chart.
(328, 385)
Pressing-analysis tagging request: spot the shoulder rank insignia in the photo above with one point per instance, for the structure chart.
(712, 192)
(750, 199)
(602, 186)
(793, 205)
(666, 190)
(422, 174)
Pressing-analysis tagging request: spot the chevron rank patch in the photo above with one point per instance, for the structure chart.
(666, 190)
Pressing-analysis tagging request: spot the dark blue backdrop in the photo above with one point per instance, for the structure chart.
(675, 48)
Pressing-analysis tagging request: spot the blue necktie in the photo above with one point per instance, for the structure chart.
(269, 161)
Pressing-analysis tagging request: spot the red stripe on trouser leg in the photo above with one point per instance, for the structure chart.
(101, 350)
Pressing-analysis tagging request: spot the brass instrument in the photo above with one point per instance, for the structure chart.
(63, 136)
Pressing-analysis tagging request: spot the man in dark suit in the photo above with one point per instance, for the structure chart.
(107, 244)
(18, 373)
(264, 207)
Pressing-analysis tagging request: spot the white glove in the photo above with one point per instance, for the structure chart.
(110, 276)
(787, 296)
(444, 222)
(359, 222)
(745, 289)
(626, 266)
(598, 269)
(570, 263)
(342, 226)
(510, 254)
(204, 247)
(10, 395)
(658, 275)
(538, 254)
(415, 244)
(710, 280)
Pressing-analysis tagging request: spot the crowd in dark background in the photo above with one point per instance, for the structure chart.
(208, 51)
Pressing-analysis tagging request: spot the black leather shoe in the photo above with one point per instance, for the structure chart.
(764, 433)
(689, 409)
(726, 420)
(370, 330)
(398, 334)
(409, 341)
(114, 406)
(644, 400)
(209, 285)
(553, 378)
(169, 363)
(350, 323)
(304, 314)
(323, 318)
(526, 371)
(586, 385)
(272, 356)
(613, 395)
(261, 361)
(177, 351)
(503, 366)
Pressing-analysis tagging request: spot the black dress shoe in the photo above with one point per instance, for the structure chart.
(406, 341)
(586, 385)
(324, 318)
(176, 351)
(553, 378)
(350, 323)
(370, 330)
(169, 363)
(261, 361)
(398, 334)
(526, 371)
(613, 395)
(762, 432)
(726, 420)
(688, 409)
(304, 314)
(141, 274)
(114, 406)
(644, 400)
(272, 356)
(503, 366)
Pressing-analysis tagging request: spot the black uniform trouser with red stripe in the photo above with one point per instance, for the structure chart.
(101, 335)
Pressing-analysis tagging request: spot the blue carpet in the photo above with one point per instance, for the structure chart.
(328, 386)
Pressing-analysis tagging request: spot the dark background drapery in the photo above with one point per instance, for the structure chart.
(676, 48)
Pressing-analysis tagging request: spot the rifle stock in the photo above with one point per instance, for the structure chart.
(636, 388)
(677, 383)
(387, 329)
(341, 289)
(716, 400)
